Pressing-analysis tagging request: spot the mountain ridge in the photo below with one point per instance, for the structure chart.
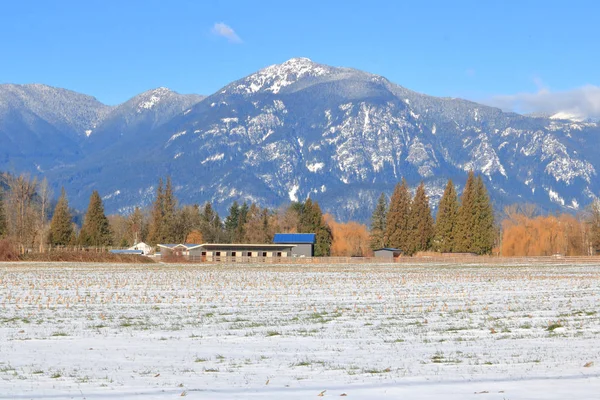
(339, 135)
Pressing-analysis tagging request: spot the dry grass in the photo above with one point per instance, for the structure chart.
(8, 251)
(85, 256)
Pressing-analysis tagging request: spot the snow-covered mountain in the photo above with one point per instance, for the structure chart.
(338, 135)
(140, 115)
(41, 126)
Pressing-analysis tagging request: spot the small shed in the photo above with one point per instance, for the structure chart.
(304, 243)
(143, 247)
(388, 253)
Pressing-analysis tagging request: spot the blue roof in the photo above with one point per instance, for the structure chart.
(388, 249)
(289, 238)
(127, 251)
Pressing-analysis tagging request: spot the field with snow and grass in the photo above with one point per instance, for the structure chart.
(84, 331)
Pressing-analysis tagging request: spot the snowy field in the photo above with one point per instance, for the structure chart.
(73, 331)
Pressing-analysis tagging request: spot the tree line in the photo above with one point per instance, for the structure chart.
(525, 233)
(29, 218)
(164, 222)
(406, 223)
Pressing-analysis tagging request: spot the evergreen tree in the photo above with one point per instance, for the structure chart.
(156, 231)
(463, 229)
(95, 230)
(446, 220)
(3, 223)
(397, 230)
(211, 227)
(169, 215)
(483, 220)
(61, 225)
(311, 221)
(232, 221)
(378, 223)
(241, 226)
(420, 222)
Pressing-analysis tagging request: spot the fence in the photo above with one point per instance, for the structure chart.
(426, 258)
(433, 260)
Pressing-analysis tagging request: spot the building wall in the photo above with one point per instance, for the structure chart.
(302, 250)
(384, 254)
(242, 252)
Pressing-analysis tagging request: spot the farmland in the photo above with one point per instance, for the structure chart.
(365, 331)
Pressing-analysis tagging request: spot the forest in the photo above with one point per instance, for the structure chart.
(31, 221)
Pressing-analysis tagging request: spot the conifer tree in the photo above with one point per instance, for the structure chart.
(232, 221)
(483, 220)
(324, 237)
(242, 223)
(3, 223)
(446, 220)
(169, 214)
(61, 225)
(156, 231)
(397, 230)
(463, 229)
(311, 221)
(211, 227)
(378, 223)
(95, 230)
(420, 222)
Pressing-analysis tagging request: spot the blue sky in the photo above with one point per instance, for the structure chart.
(502, 52)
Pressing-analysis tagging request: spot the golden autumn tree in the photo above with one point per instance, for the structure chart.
(350, 239)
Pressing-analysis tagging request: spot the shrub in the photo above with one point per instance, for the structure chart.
(8, 250)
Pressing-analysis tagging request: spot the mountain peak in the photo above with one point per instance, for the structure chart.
(299, 60)
(277, 76)
(149, 99)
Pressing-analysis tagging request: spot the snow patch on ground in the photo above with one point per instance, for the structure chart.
(267, 332)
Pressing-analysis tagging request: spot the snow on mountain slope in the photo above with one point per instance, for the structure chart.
(338, 135)
(42, 127)
(71, 112)
(140, 115)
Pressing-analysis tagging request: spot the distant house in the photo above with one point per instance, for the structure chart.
(145, 249)
(177, 250)
(387, 253)
(304, 243)
(226, 251)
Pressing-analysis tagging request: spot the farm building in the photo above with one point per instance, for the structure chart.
(143, 247)
(304, 243)
(181, 249)
(223, 251)
(387, 253)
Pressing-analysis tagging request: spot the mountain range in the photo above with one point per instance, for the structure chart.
(290, 131)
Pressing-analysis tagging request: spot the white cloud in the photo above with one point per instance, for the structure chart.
(578, 103)
(221, 29)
